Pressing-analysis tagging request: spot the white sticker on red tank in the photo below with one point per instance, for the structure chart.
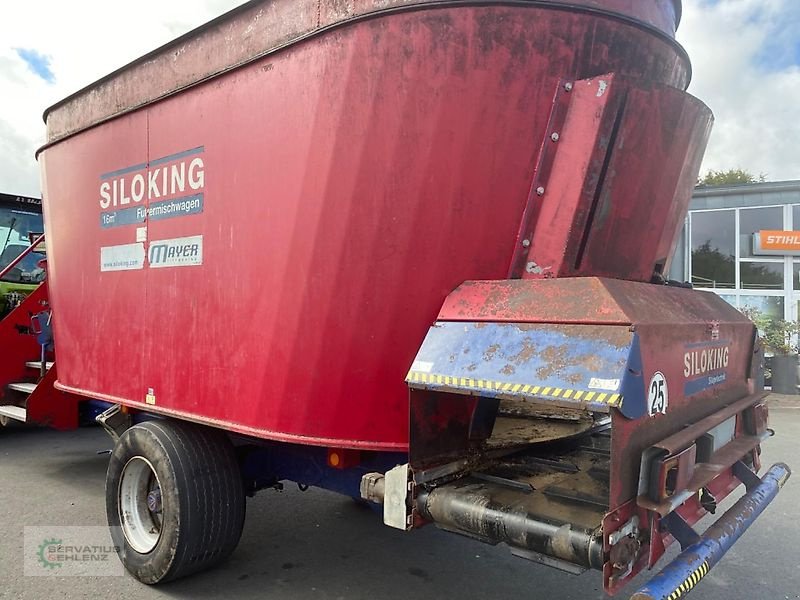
(657, 394)
(126, 257)
(177, 252)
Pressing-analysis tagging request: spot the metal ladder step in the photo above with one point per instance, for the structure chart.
(37, 364)
(13, 412)
(25, 388)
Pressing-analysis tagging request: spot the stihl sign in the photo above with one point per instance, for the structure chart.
(769, 242)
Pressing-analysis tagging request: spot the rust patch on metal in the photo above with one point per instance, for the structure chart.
(592, 362)
(489, 353)
(556, 357)
(527, 352)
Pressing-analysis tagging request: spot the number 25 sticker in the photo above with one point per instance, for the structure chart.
(657, 395)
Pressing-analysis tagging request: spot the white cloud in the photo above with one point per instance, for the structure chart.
(757, 105)
(85, 40)
(744, 54)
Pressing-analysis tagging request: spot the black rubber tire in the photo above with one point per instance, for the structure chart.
(202, 495)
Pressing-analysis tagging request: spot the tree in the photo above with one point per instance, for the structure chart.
(712, 268)
(729, 177)
(778, 335)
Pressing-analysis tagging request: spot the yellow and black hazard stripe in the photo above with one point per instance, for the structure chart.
(690, 582)
(516, 388)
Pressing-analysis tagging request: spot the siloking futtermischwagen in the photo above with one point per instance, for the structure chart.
(414, 251)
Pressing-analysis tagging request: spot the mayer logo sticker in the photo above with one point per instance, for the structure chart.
(178, 252)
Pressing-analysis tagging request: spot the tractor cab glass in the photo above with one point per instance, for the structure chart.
(15, 229)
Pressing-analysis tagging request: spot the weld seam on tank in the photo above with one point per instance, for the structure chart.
(475, 514)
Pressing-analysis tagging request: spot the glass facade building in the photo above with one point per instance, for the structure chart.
(743, 243)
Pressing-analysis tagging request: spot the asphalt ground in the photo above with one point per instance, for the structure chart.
(316, 544)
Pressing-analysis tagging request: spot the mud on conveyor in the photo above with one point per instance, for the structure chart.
(546, 502)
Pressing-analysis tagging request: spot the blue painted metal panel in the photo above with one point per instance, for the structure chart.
(89, 409)
(270, 463)
(633, 386)
(565, 365)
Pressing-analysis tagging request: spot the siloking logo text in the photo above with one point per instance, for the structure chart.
(705, 360)
(705, 365)
(154, 180)
(164, 188)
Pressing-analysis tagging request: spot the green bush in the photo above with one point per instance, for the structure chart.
(777, 335)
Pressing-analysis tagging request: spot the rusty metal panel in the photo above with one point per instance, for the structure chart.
(703, 474)
(691, 346)
(602, 199)
(565, 96)
(560, 202)
(687, 436)
(568, 366)
(700, 377)
(588, 300)
(646, 193)
(576, 300)
(690, 365)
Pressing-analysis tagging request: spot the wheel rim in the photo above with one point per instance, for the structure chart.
(140, 505)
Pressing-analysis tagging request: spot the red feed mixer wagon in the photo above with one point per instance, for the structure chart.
(413, 251)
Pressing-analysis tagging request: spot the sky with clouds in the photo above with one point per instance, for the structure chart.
(746, 57)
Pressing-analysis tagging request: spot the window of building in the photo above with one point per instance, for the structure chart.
(753, 220)
(771, 306)
(796, 217)
(722, 257)
(759, 272)
(796, 275)
(729, 298)
(713, 245)
(761, 275)
(716, 254)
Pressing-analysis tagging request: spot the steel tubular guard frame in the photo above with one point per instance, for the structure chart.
(680, 576)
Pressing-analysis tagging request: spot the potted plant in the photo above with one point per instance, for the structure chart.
(780, 338)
